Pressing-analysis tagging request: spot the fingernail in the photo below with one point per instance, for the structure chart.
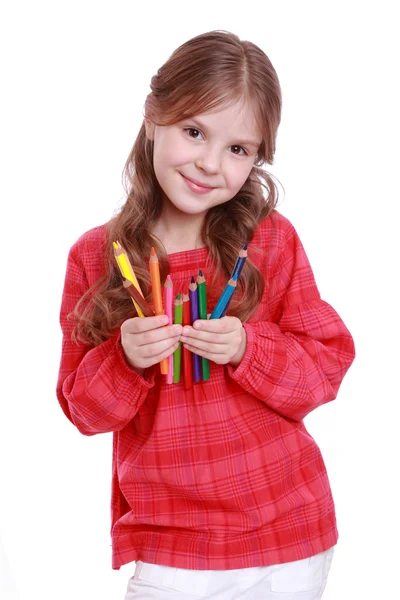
(177, 329)
(185, 330)
(197, 325)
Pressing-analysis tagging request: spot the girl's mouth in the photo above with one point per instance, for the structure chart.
(195, 187)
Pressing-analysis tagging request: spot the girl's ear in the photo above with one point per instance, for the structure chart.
(150, 127)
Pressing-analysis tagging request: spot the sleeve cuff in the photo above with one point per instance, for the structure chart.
(237, 372)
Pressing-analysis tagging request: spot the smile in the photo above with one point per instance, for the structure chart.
(195, 187)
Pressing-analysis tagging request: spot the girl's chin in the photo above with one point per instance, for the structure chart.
(188, 210)
(192, 213)
(191, 207)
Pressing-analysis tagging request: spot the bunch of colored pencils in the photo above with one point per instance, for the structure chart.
(184, 310)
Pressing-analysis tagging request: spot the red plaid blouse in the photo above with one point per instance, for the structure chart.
(225, 475)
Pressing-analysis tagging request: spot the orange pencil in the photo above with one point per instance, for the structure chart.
(157, 297)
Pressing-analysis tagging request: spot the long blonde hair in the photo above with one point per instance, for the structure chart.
(207, 72)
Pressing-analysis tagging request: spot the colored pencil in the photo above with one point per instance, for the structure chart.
(237, 269)
(168, 287)
(178, 314)
(202, 294)
(157, 297)
(137, 298)
(194, 315)
(127, 272)
(129, 268)
(187, 360)
(241, 259)
(224, 298)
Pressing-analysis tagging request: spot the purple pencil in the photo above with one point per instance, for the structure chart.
(194, 315)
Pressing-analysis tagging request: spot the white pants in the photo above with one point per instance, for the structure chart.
(302, 579)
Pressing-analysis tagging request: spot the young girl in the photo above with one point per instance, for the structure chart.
(218, 491)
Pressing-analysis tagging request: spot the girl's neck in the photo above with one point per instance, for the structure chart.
(178, 231)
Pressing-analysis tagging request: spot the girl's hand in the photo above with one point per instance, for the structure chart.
(220, 340)
(146, 341)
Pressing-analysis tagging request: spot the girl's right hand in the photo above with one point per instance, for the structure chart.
(147, 340)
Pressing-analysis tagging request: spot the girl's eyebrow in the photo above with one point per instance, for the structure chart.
(241, 142)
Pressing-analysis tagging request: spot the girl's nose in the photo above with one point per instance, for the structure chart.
(209, 161)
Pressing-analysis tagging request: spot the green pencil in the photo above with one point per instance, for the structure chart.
(178, 314)
(202, 295)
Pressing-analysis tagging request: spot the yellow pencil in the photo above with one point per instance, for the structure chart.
(125, 265)
(127, 272)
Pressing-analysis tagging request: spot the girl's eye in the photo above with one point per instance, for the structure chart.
(197, 135)
(193, 133)
(237, 150)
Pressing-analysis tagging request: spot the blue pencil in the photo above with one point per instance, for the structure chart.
(237, 269)
(241, 259)
(224, 298)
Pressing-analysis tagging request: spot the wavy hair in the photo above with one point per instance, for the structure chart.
(208, 72)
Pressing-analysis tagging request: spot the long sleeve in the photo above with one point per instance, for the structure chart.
(295, 362)
(96, 388)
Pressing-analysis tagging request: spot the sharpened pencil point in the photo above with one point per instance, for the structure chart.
(200, 273)
(192, 280)
(168, 282)
(153, 252)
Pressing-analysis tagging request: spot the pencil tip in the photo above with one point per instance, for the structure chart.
(178, 297)
(192, 280)
(169, 277)
(200, 273)
(245, 246)
(235, 277)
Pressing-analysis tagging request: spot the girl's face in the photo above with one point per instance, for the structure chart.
(203, 161)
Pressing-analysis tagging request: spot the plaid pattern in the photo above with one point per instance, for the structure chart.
(224, 475)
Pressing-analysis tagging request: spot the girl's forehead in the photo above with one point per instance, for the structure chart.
(237, 107)
(238, 117)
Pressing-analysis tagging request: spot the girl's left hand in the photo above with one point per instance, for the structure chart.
(220, 340)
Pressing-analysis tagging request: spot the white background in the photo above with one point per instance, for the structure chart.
(74, 78)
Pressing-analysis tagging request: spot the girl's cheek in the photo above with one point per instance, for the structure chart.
(239, 172)
(179, 150)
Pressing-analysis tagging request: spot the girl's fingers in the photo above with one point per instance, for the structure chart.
(159, 348)
(223, 325)
(139, 325)
(214, 357)
(164, 354)
(213, 330)
(157, 335)
(205, 346)
(194, 336)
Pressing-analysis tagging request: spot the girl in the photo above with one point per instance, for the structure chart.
(218, 491)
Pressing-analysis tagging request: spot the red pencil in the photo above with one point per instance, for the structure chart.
(187, 355)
